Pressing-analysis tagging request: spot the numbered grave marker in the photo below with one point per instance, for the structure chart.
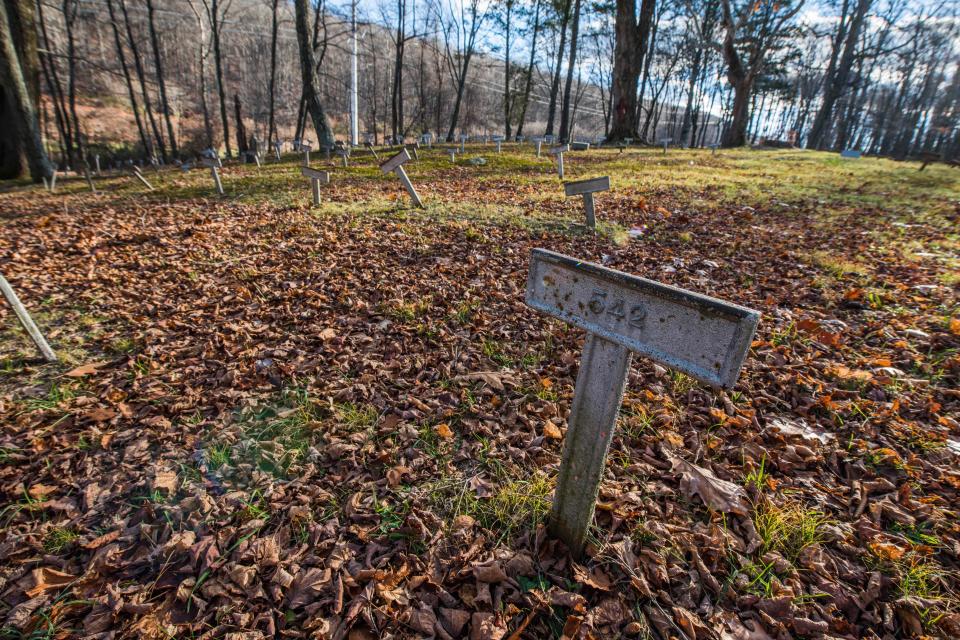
(453, 155)
(580, 146)
(463, 141)
(96, 162)
(305, 148)
(415, 148)
(701, 336)
(539, 147)
(214, 173)
(850, 154)
(395, 164)
(557, 152)
(317, 178)
(370, 148)
(139, 176)
(277, 146)
(666, 142)
(587, 188)
(344, 156)
(713, 149)
(26, 321)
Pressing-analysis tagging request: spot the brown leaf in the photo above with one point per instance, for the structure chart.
(46, 579)
(84, 370)
(717, 494)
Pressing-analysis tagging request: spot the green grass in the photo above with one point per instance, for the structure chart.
(59, 539)
(787, 529)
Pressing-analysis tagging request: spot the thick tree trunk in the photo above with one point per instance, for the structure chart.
(158, 63)
(506, 70)
(529, 75)
(242, 145)
(308, 74)
(571, 63)
(630, 49)
(131, 94)
(17, 105)
(461, 85)
(736, 133)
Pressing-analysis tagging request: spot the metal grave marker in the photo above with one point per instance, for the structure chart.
(587, 188)
(26, 321)
(463, 141)
(395, 164)
(453, 154)
(317, 178)
(415, 147)
(344, 156)
(580, 146)
(713, 149)
(539, 146)
(427, 139)
(666, 142)
(277, 145)
(207, 162)
(96, 162)
(701, 336)
(850, 154)
(305, 148)
(557, 152)
(370, 148)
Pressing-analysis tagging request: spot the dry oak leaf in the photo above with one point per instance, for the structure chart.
(486, 626)
(166, 480)
(84, 370)
(552, 431)
(443, 430)
(46, 578)
(717, 494)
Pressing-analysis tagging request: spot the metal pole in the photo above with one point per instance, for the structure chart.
(409, 186)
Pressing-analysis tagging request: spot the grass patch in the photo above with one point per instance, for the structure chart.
(59, 539)
(787, 529)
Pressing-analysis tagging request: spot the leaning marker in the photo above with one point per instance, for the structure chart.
(26, 321)
(701, 336)
(395, 164)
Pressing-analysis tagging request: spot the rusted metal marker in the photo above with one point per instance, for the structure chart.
(26, 321)
(703, 337)
(395, 164)
(317, 178)
(557, 152)
(587, 188)
(207, 162)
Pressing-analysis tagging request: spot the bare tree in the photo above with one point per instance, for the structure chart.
(571, 63)
(308, 71)
(460, 28)
(158, 65)
(630, 48)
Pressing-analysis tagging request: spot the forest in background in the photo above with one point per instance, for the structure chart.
(168, 78)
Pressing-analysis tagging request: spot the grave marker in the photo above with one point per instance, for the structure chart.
(277, 144)
(344, 156)
(463, 141)
(370, 148)
(96, 162)
(415, 147)
(305, 148)
(587, 188)
(580, 146)
(850, 154)
(207, 162)
(713, 148)
(395, 164)
(316, 179)
(701, 336)
(139, 176)
(558, 152)
(26, 321)
(665, 142)
(539, 146)
(453, 155)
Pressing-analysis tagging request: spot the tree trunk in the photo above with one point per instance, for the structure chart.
(242, 145)
(529, 79)
(571, 63)
(308, 74)
(629, 51)
(736, 133)
(837, 82)
(17, 105)
(158, 62)
(461, 85)
(218, 65)
(555, 85)
(138, 67)
(131, 94)
(274, 26)
(506, 70)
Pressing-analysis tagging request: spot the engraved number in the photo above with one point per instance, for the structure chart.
(616, 310)
(637, 316)
(597, 302)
